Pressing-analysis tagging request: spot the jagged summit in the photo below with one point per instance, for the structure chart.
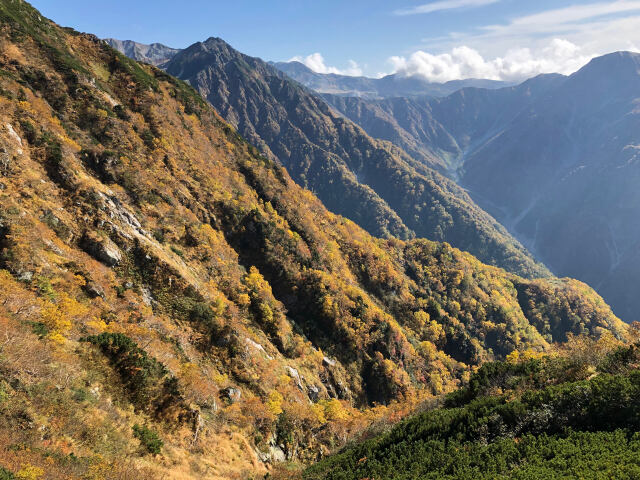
(154, 53)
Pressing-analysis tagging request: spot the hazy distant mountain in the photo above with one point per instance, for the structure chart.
(426, 127)
(556, 159)
(385, 87)
(376, 185)
(155, 54)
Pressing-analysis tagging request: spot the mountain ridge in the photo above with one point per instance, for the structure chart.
(376, 185)
(388, 86)
(174, 305)
(491, 141)
(154, 53)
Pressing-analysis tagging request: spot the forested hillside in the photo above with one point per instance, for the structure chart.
(173, 305)
(376, 185)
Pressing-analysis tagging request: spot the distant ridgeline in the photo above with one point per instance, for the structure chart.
(173, 305)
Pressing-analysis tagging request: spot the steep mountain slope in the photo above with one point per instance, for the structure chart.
(173, 305)
(155, 54)
(580, 204)
(379, 187)
(555, 159)
(375, 88)
(569, 416)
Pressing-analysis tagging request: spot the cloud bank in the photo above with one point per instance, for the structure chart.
(557, 40)
(316, 62)
(559, 56)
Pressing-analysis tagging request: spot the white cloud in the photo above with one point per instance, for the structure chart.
(557, 40)
(316, 62)
(443, 5)
(573, 20)
(597, 28)
(559, 56)
(568, 18)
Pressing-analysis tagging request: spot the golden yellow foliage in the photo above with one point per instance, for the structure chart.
(29, 472)
(58, 315)
(274, 403)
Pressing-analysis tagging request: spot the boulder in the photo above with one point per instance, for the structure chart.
(102, 249)
(277, 454)
(94, 290)
(314, 393)
(231, 394)
(293, 373)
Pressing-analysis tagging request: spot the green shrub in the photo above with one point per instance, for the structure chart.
(148, 439)
(150, 385)
(543, 431)
(6, 474)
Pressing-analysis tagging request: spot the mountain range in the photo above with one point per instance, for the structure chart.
(388, 86)
(174, 305)
(384, 87)
(554, 159)
(569, 198)
(373, 183)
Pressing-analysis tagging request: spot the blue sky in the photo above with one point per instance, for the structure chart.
(438, 39)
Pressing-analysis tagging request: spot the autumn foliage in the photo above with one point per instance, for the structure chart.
(155, 270)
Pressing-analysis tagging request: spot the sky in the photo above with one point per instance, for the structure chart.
(440, 40)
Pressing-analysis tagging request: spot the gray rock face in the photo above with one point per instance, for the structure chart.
(147, 298)
(295, 375)
(25, 276)
(155, 53)
(314, 393)
(277, 454)
(102, 249)
(327, 362)
(231, 394)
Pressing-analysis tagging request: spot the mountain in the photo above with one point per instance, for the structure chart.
(155, 54)
(554, 159)
(379, 187)
(530, 418)
(173, 305)
(445, 128)
(389, 86)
